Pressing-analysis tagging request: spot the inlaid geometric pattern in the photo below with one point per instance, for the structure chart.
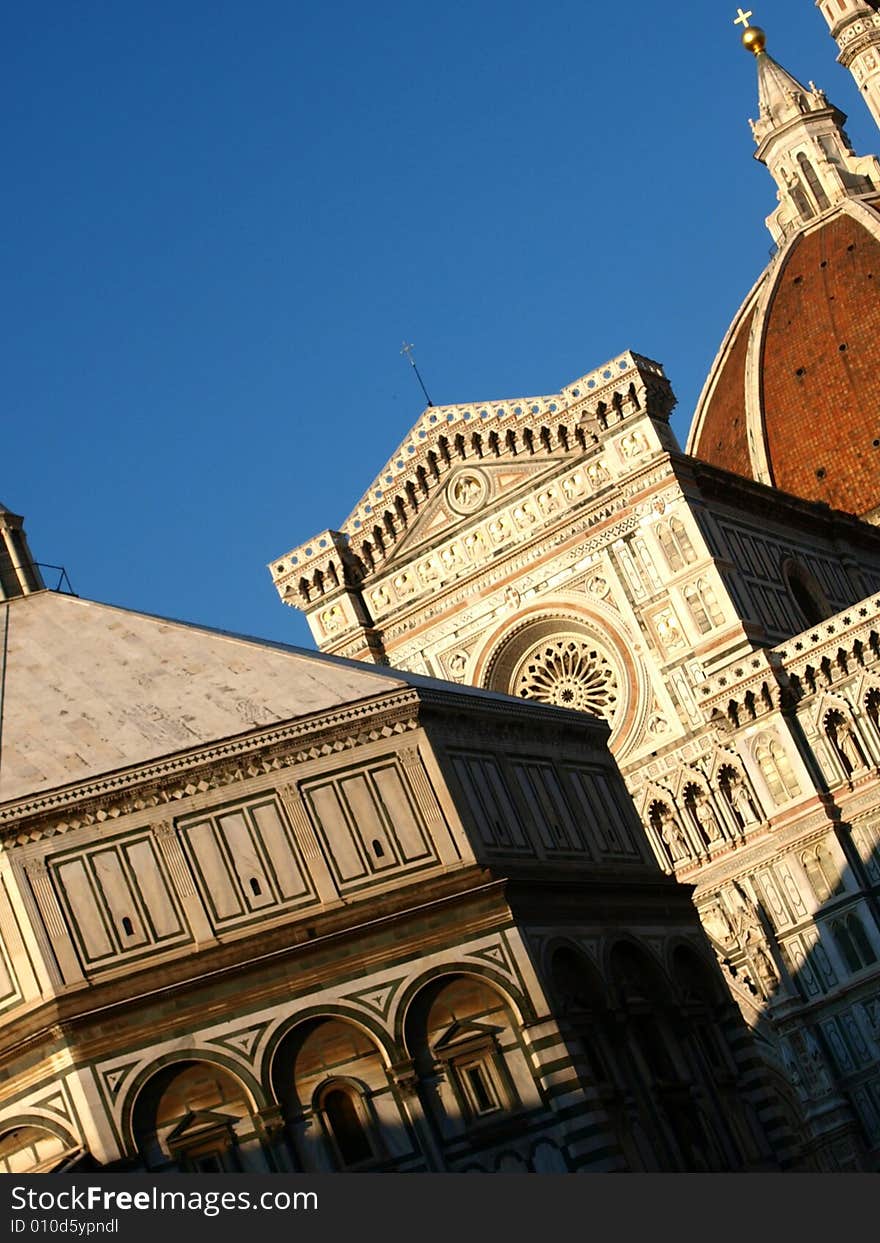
(378, 998)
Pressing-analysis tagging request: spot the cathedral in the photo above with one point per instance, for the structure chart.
(717, 606)
(562, 854)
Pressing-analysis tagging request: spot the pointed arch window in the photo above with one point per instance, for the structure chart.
(704, 606)
(822, 873)
(776, 769)
(852, 942)
(798, 194)
(812, 179)
(676, 544)
(807, 592)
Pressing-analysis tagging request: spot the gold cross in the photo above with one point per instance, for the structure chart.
(742, 19)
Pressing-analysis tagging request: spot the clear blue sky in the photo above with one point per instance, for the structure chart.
(220, 221)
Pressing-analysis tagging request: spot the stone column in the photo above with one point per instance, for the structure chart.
(308, 843)
(182, 880)
(405, 1079)
(426, 801)
(62, 962)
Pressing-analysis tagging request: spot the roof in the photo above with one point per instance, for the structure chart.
(793, 397)
(88, 688)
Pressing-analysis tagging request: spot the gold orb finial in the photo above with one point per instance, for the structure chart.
(754, 39)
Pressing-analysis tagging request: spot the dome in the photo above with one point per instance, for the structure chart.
(793, 397)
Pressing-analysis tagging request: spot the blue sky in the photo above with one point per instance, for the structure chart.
(221, 220)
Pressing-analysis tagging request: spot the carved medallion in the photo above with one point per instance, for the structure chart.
(467, 491)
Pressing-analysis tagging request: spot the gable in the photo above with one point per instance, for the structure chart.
(404, 507)
(468, 491)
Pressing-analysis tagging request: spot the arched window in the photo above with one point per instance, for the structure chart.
(331, 1070)
(843, 941)
(704, 606)
(776, 769)
(32, 1150)
(645, 995)
(699, 992)
(862, 947)
(812, 180)
(798, 194)
(806, 592)
(345, 1120)
(676, 544)
(822, 873)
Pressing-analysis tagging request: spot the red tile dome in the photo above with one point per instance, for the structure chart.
(793, 398)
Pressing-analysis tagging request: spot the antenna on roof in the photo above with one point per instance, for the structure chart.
(408, 349)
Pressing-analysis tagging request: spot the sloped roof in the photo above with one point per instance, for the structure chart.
(88, 688)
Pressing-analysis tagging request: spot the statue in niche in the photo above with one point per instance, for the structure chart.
(498, 529)
(717, 924)
(848, 746)
(737, 796)
(810, 1058)
(706, 819)
(573, 486)
(765, 969)
(475, 545)
(742, 803)
(670, 831)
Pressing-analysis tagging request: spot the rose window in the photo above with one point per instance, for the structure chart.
(569, 672)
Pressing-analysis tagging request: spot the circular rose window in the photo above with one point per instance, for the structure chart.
(569, 672)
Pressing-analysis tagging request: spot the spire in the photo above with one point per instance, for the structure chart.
(801, 139)
(19, 573)
(855, 28)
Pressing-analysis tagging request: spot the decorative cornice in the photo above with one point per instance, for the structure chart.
(524, 554)
(810, 663)
(211, 767)
(446, 436)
